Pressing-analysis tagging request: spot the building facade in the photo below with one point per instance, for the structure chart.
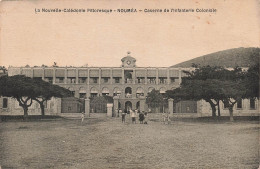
(127, 84)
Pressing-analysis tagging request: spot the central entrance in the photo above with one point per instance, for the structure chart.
(128, 105)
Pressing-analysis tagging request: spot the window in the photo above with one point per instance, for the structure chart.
(93, 95)
(140, 80)
(45, 104)
(151, 80)
(117, 79)
(5, 102)
(59, 79)
(252, 103)
(105, 79)
(162, 80)
(82, 79)
(71, 80)
(82, 95)
(239, 104)
(93, 80)
(48, 79)
(173, 79)
(225, 106)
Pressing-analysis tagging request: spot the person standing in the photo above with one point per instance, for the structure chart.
(145, 118)
(132, 114)
(123, 117)
(82, 117)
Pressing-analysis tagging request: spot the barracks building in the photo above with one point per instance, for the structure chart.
(127, 84)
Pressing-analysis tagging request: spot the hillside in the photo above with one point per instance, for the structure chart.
(242, 57)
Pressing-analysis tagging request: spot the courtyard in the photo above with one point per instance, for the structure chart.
(101, 142)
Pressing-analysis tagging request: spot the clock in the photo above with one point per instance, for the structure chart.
(128, 62)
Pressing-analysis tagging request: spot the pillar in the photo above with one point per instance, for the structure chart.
(170, 105)
(54, 76)
(133, 77)
(180, 75)
(157, 76)
(142, 104)
(116, 100)
(109, 110)
(145, 76)
(77, 75)
(123, 76)
(111, 76)
(168, 76)
(66, 75)
(87, 107)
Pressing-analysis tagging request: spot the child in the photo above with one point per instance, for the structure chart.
(145, 118)
(141, 117)
(82, 117)
(123, 117)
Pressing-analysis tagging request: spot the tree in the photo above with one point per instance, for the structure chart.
(19, 87)
(231, 92)
(251, 80)
(207, 90)
(25, 90)
(45, 91)
(155, 99)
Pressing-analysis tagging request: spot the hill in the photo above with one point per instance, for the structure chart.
(242, 57)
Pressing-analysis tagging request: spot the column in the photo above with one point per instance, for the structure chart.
(142, 104)
(157, 76)
(77, 75)
(145, 78)
(133, 76)
(168, 76)
(170, 105)
(31, 72)
(99, 82)
(87, 107)
(123, 77)
(88, 90)
(54, 76)
(180, 75)
(109, 110)
(116, 100)
(66, 75)
(43, 72)
(111, 76)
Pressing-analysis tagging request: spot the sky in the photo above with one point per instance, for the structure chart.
(102, 39)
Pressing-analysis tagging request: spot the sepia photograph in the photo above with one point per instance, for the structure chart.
(146, 84)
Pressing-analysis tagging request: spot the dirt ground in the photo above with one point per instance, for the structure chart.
(102, 142)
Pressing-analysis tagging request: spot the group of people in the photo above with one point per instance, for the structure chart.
(134, 114)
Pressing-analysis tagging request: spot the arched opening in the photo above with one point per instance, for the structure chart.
(128, 92)
(93, 92)
(82, 93)
(105, 91)
(162, 91)
(117, 92)
(139, 92)
(138, 105)
(72, 90)
(150, 89)
(128, 76)
(128, 105)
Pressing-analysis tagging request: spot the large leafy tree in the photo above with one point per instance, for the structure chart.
(207, 90)
(214, 84)
(45, 91)
(25, 90)
(19, 87)
(155, 99)
(251, 80)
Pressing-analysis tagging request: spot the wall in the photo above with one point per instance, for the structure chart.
(13, 108)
